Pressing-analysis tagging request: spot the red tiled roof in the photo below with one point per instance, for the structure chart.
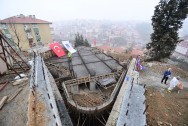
(108, 48)
(23, 20)
(119, 50)
(137, 52)
(104, 48)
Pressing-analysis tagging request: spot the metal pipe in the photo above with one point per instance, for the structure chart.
(103, 119)
(100, 121)
(84, 121)
(10, 66)
(14, 58)
(78, 120)
(145, 109)
(15, 51)
(3, 51)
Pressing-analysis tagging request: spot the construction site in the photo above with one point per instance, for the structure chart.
(90, 89)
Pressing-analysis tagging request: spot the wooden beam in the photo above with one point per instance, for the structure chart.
(3, 100)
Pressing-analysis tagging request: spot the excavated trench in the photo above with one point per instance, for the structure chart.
(89, 119)
(82, 115)
(97, 118)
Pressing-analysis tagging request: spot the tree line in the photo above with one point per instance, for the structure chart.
(167, 20)
(80, 41)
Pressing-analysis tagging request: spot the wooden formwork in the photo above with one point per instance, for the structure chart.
(87, 79)
(62, 69)
(48, 54)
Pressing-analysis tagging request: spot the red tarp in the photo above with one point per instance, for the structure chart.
(57, 49)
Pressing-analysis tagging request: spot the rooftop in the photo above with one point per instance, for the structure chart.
(88, 61)
(21, 19)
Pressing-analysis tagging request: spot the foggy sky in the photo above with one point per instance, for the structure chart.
(55, 10)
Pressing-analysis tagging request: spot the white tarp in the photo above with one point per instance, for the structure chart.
(68, 46)
(173, 83)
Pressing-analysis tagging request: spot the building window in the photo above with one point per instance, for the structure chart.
(38, 40)
(37, 33)
(34, 25)
(4, 26)
(25, 26)
(6, 31)
(8, 36)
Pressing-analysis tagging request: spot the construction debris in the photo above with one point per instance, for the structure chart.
(3, 100)
(18, 77)
(20, 81)
(14, 95)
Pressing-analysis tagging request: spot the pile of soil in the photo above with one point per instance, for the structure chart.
(166, 109)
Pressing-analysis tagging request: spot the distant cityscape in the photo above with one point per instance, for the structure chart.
(108, 35)
(114, 34)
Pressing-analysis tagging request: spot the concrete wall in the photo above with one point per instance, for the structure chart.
(24, 43)
(112, 119)
(45, 33)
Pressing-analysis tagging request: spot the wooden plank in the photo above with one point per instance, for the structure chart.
(3, 100)
(14, 95)
(20, 81)
(2, 86)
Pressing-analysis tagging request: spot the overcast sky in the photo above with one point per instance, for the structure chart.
(55, 10)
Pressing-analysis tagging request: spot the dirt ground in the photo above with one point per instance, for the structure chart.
(14, 113)
(165, 109)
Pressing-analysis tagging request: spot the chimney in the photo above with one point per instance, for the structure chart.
(34, 16)
(21, 15)
(30, 16)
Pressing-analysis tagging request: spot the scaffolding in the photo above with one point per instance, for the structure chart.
(12, 56)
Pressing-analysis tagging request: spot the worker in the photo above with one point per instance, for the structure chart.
(180, 86)
(166, 75)
(69, 56)
(173, 83)
(138, 64)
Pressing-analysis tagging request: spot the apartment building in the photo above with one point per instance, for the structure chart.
(28, 31)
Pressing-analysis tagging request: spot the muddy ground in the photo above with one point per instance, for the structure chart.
(165, 109)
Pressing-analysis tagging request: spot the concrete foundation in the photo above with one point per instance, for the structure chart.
(74, 89)
(92, 86)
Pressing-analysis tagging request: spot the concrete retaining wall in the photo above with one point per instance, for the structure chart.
(117, 105)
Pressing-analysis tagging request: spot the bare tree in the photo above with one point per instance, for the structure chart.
(17, 35)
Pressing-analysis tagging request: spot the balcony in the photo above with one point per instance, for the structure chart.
(29, 36)
(8, 36)
(3, 27)
(27, 29)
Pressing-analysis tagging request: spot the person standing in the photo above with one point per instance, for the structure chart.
(173, 83)
(69, 56)
(138, 64)
(180, 86)
(166, 75)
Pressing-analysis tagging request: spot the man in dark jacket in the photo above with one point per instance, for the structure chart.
(167, 74)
